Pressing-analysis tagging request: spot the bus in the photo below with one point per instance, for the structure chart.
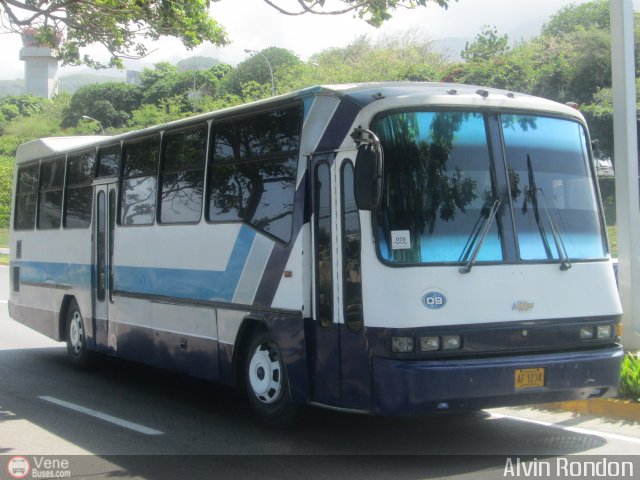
(381, 248)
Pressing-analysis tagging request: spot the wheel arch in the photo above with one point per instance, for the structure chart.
(62, 317)
(250, 325)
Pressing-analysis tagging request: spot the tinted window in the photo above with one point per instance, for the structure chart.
(141, 157)
(182, 185)
(260, 193)
(550, 182)
(352, 276)
(438, 188)
(79, 192)
(50, 194)
(80, 168)
(108, 161)
(26, 194)
(138, 201)
(268, 133)
(252, 177)
(324, 257)
(139, 183)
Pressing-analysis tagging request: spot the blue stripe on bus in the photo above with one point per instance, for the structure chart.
(190, 284)
(56, 274)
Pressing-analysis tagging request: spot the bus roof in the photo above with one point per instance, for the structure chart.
(360, 94)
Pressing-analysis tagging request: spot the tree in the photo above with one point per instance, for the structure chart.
(374, 12)
(122, 26)
(256, 69)
(486, 46)
(571, 18)
(109, 103)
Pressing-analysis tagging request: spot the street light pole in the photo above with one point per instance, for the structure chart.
(273, 83)
(86, 117)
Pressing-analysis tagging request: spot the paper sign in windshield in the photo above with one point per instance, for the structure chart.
(400, 240)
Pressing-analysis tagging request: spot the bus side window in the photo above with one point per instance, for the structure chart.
(139, 181)
(182, 178)
(78, 197)
(50, 193)
(324, 257)
(26, 197)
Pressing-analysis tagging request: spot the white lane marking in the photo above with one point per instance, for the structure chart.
(582, 431)
(102, 416)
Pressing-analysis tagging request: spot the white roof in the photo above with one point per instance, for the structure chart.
(45, 147)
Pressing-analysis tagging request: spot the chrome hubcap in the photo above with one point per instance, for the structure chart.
(265, 374)
(76, 332)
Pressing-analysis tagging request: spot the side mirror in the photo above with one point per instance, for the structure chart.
(369, 175)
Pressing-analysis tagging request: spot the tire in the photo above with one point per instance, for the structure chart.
(77, 351)
(266, 383)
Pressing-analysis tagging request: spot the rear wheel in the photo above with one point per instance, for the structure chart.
(77, 350)
(266, 381)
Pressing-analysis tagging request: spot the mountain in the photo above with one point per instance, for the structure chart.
(197, 63)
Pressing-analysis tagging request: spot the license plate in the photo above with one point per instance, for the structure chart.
(529, 378)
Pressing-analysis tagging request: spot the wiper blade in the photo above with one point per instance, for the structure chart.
(482, 235)
(565, 264)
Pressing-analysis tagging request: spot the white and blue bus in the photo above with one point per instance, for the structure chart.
(391, 248)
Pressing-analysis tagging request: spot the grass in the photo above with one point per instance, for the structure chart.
(4, 238)
(4, 259)
(612, 233)
(630, 377)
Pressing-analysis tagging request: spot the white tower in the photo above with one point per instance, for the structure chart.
(40, 66)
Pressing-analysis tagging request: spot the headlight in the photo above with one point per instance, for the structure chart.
(586, 333)
(428, 344)
(451, 342)
(402, 344)
(604, 331)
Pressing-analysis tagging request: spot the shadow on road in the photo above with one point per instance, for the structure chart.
(214, 428)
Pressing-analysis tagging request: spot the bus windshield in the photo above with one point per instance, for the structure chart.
(441, 187)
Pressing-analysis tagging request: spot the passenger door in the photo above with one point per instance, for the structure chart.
(340, 357)
(103, 230)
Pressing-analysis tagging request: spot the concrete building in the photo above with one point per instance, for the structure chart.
(40, 66)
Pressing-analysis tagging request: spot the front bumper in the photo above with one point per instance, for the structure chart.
(409, 387)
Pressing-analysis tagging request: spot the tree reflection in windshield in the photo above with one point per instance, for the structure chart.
(437, 183)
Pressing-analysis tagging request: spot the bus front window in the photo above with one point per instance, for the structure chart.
(438, 188)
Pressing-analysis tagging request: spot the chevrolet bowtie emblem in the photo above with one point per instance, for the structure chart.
(522, 306)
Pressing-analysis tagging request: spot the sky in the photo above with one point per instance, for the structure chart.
(252, 24)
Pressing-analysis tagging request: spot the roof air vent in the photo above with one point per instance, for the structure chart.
(511, 95)
(378, 96)
(453, 91)
(483, 93)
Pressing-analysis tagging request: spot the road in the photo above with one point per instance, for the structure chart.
(123, 413)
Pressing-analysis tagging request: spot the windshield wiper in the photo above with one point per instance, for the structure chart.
(479, 233)
(532, 195)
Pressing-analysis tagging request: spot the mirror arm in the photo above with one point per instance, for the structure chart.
(362, 136)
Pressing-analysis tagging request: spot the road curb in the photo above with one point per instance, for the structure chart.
(606, 407)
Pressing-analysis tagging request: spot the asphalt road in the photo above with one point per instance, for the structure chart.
(130, 421)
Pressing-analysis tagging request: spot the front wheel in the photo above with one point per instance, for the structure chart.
(266, 381)
(77, 350)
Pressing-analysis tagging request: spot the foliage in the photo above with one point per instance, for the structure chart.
(374, 12)
(109, 103)
(121, 26)
(486, 46)
(573, 18)
(404, 56)
(4, 237)
(6, 180)
(630, 377)
(608, 194)
(256, 69)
